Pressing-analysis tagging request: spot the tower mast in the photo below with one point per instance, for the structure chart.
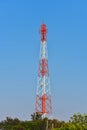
(43, 95)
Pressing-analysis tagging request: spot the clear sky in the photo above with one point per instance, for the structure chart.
(19, 55)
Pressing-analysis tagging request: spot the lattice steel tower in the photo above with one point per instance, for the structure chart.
(43, 95)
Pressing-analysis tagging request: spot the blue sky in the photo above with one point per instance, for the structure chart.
(19, 55)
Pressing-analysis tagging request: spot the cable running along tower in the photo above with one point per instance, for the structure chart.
(43, 95)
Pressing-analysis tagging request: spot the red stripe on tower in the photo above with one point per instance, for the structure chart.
(43, 32)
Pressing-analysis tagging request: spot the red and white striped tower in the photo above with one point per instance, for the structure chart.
(43, 96)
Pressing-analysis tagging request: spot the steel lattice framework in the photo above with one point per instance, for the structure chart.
(43, 96)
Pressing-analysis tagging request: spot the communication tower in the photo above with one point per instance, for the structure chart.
(43, 95)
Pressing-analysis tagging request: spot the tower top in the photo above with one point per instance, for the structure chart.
(43, 32)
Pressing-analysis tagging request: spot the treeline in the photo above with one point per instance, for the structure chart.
(76, 122)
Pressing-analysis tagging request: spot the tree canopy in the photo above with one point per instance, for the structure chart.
(76, 122)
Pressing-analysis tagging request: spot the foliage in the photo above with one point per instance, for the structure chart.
(36, 116)
(76, 122)
(79, 118)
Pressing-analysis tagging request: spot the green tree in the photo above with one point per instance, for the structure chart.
(79, 119)
(36, 116)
